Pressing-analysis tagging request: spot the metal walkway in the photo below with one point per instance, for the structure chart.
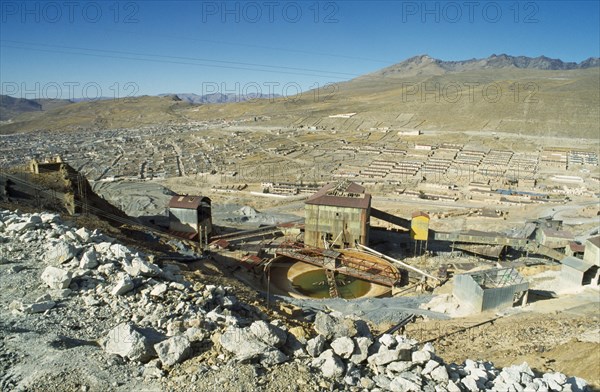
(357, 267)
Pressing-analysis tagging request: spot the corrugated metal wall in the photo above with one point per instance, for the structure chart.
(498, 298)
(571, 276)
(468, 292)
(183, 220)
(321, 219)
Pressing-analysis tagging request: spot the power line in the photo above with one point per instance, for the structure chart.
(180, 59)
(247, 45)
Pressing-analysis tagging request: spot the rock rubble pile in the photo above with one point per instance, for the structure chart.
(150, 316)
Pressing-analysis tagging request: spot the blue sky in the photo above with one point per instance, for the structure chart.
(71, 49)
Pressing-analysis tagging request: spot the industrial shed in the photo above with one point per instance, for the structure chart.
(339, 214)
(495, 288)
(577, 272)
(190, 217)
(592, 251)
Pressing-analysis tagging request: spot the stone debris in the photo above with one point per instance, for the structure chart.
(126, 341)
(173, 350)
(56, 278)
(151, 315)
(123, 286)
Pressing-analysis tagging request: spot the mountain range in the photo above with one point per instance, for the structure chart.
(538, 95)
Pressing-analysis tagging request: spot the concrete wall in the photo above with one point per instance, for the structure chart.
(319, 220)
(592, 254)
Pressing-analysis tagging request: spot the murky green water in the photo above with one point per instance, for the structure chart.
(314, 284)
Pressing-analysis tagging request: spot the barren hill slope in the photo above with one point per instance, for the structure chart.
(538, 96)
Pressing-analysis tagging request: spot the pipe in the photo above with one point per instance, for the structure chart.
(397, 261)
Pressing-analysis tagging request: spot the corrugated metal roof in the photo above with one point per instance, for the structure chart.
(576, 263)
(184, 234)
(575, 247)
(557, 233)
(595, 241)
(187, 202)
(324, 196)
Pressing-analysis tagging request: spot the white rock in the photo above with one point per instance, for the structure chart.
(400, 384)
(50, 218)
(84, 234)
(146, 268)
(159, 290)
(173, 350)
(429, 347)
(429, 366)
(470, 384)
(126, 341)
(20, 227)
(440, 374)
(120, 251)
(314, 347)
(388, 340)
(421, 356)
(39, 307)
(243, 343)
(361, 350)
(123, 286)
(56, 278)
(399, 366)
(331, 365)
(344, 347)
(90, 300)
(384, 356)
(273, 357)
(88, 260)
(268, 333)
(59, 253)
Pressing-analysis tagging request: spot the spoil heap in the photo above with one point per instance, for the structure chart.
(79, 311)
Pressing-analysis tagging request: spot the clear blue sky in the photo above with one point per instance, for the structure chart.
(207, 46)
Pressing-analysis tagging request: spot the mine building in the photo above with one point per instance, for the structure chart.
(592, 252)
(190, 217)
(578, 272)
(495, 288)
(338, 215)
(49, 165)
(575, 272)
(554, 238)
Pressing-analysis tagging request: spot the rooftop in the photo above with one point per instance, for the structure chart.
(343, 194)
(576, 263)
(557, 233)
(188, 202)
(595, 241)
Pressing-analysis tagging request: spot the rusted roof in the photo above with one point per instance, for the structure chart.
(595, 241)
(184, 234)
(575, 247)
(557, 233)
(419, 213)
(327, 196)
(187, 202)
(220, 243)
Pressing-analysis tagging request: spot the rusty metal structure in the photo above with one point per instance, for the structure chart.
(337, 214)
(338, 262)
(190, 217)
